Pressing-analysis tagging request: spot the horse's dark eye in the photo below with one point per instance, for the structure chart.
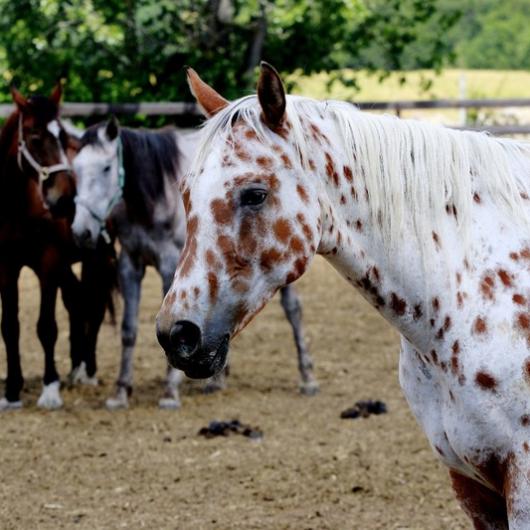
(106, 169)
(253, 197)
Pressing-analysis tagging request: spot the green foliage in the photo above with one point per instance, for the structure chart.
(135, 50)
(491, 34)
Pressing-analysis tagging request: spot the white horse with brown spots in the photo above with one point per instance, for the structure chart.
(430, 224)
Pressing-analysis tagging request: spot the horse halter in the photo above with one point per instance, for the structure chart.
(44, 172)
(102, 219)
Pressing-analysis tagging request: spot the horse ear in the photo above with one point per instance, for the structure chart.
(210, 102)
(113, 128)
(20, 101)
(73, 145)
(57, 93)
(271, 95)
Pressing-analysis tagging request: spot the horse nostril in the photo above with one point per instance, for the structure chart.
(185, 337)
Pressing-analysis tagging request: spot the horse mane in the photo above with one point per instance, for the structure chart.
(149, 158)
(411, 169)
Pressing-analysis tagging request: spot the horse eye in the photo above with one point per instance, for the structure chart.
(253, 197)
(106, 169)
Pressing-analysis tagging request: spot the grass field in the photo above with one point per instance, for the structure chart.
(447, 84)
(479, 84)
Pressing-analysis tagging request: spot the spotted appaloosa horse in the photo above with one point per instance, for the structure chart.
(129, 177)
(430, 224)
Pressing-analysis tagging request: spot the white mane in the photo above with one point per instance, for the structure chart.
(411, 169)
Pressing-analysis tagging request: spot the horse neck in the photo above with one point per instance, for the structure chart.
(403, 281)
(145, 173)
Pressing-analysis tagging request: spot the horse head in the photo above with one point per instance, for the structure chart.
(252, 225)
(41, 144)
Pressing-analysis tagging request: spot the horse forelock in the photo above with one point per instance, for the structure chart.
(411, 169)
(43, 109)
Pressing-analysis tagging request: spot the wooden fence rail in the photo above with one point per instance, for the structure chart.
(180, 109)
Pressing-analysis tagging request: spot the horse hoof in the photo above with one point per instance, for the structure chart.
(311, 388)
(120, 401)
(50, 399)
(213, 386)
(6, 405)
(168, 403)
(79, 376)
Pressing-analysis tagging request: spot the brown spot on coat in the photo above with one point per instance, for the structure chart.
(526, 370)
(241, 153)
(434, 356)
(222, 211)
(505, 277)
(454, 357)
(485, 381)
(479, 326)
(282, 230)
(523, 321)
(436, 304)
(171, 298)
(486, 286)
(286, 161)
(297, 245)
(269, 258)
(397, 304)
(264, 162)
(302, 193)
(331, 172)
(417, 312)
(519, 299)
(347, 173)
(525, 420)
(213, 286)
(459, 300)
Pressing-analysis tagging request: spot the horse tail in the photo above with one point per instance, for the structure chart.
(109, 278)
(100, 282)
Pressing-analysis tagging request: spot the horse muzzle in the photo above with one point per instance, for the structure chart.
(186, 350)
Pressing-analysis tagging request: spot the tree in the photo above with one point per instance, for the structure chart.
(132, 50)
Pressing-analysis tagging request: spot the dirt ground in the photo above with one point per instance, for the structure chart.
(85, 467)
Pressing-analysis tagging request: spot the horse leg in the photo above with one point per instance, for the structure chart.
(11, 333)
(517, 490)
(217, 382)
(130, 276)
(97, 283)
(171, 398)
(486, 508)
(73, 300)
(50, 397)
(293, 311)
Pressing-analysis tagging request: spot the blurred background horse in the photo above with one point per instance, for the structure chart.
(129, 177)
(36, 208)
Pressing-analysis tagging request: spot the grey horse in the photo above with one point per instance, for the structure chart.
(127, 180)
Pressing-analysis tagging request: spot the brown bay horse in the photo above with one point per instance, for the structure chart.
(36, 207)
